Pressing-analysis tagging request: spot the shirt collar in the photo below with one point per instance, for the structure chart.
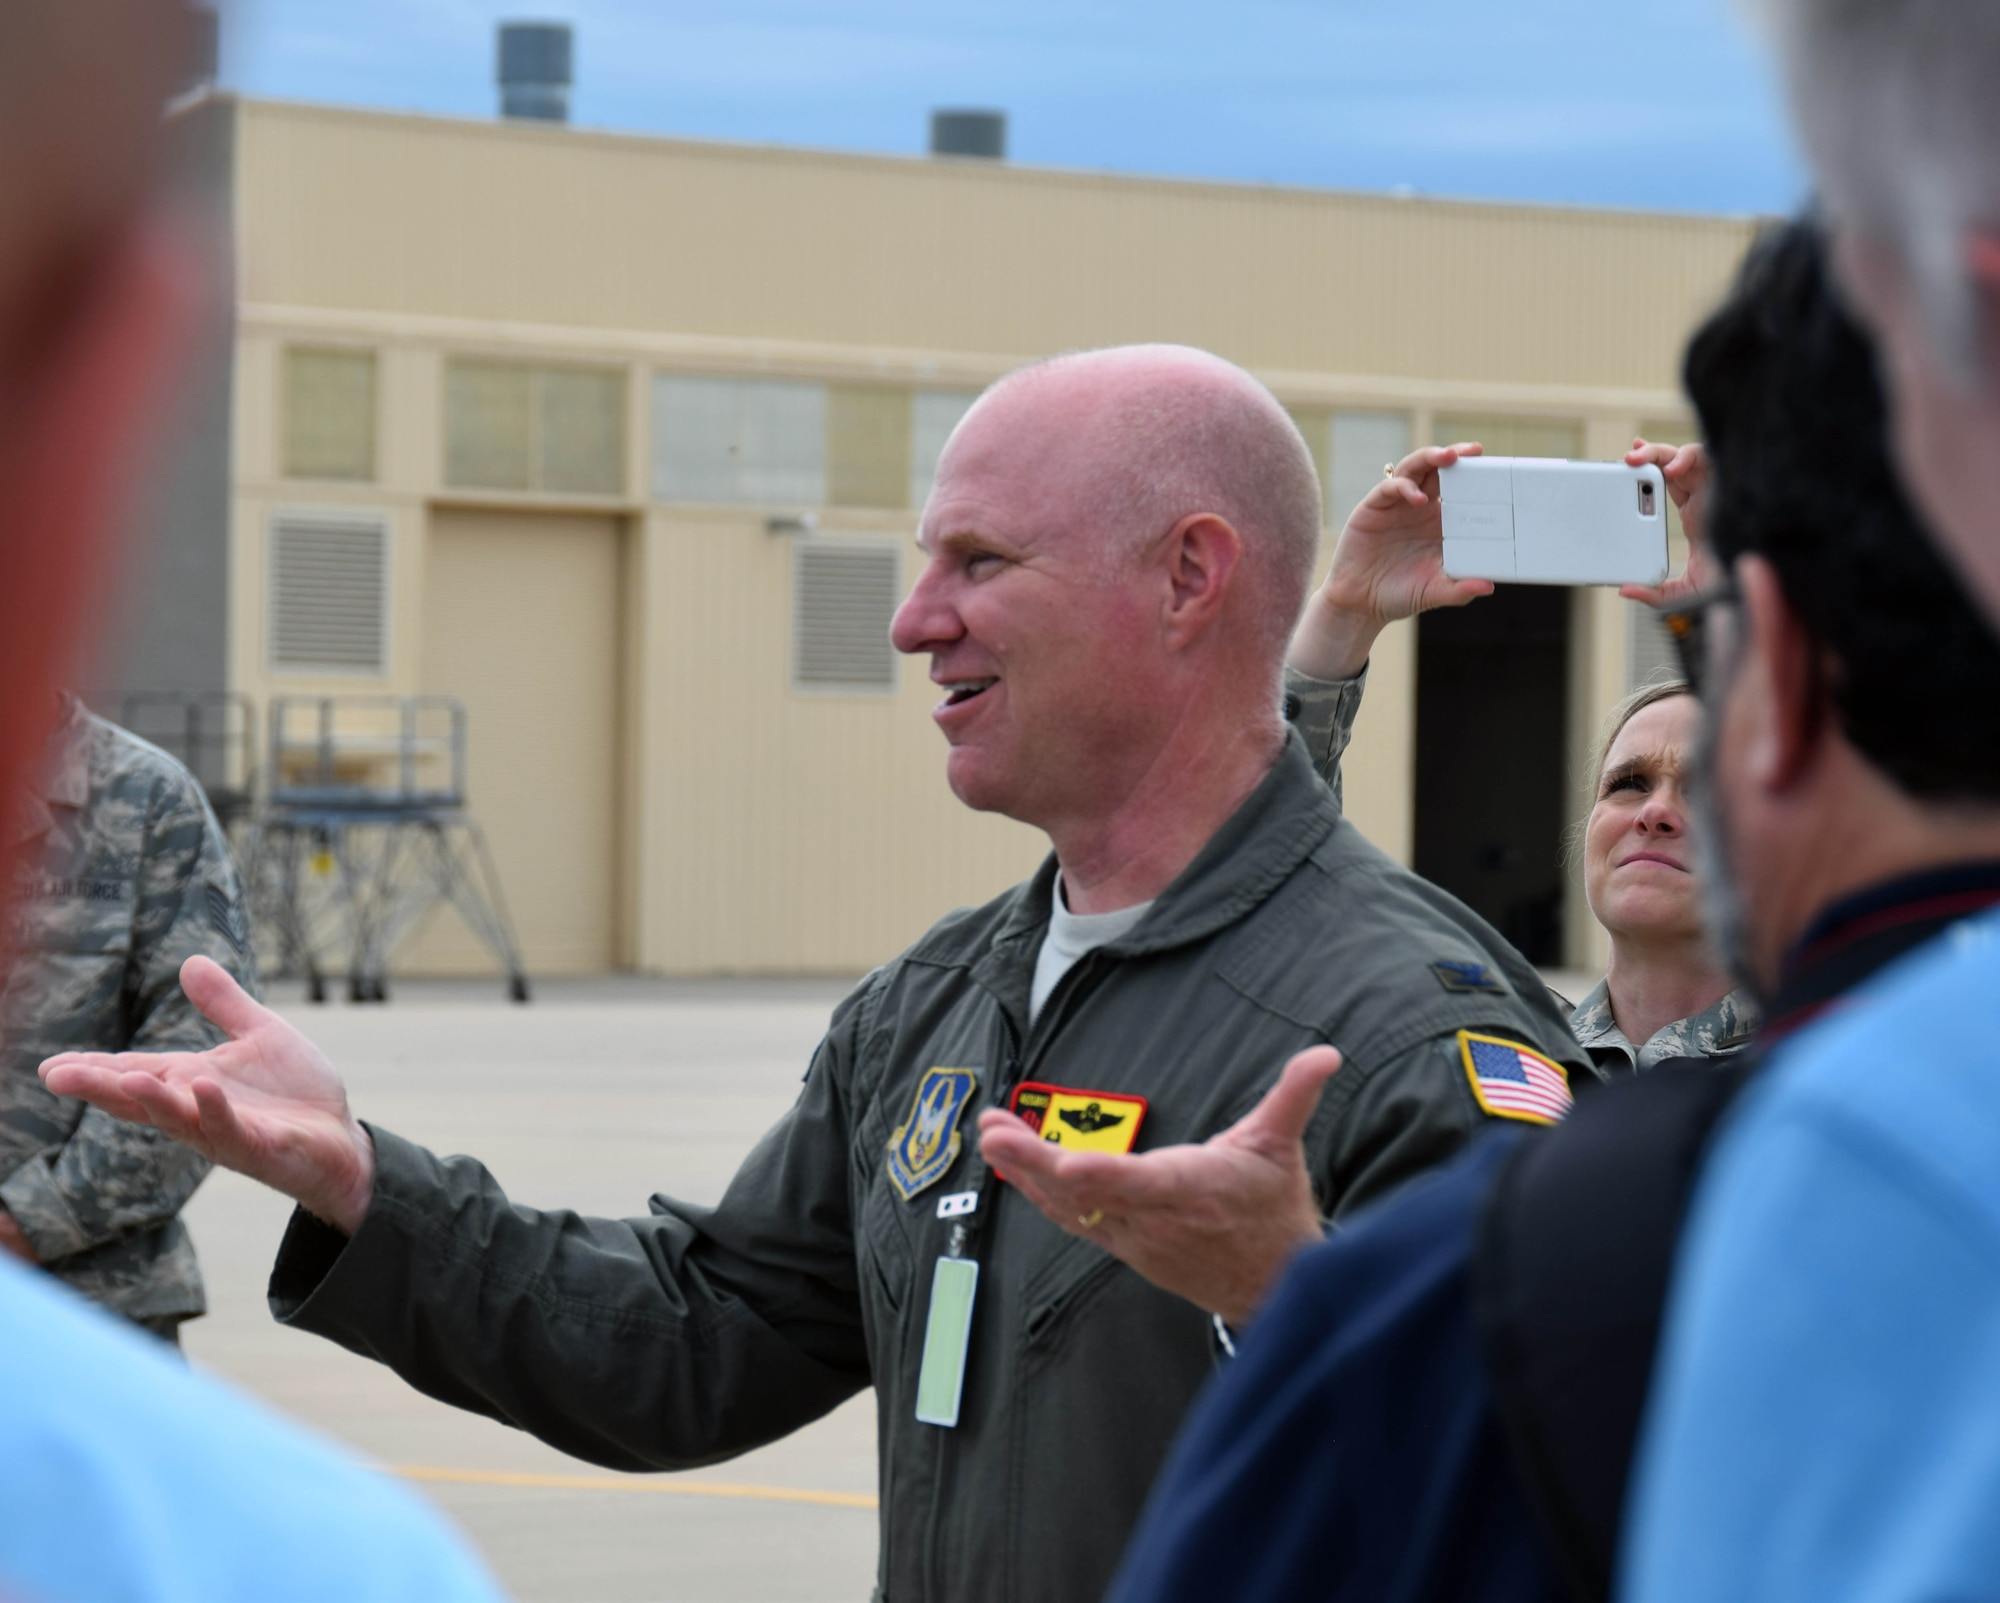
(1278, 826)
(1722, 1026)
(1859, 934)
(62, 777)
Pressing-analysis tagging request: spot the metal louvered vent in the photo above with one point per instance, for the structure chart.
(843, 596)
(329, 590)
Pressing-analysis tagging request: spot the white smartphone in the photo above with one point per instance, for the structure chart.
(1539, 520)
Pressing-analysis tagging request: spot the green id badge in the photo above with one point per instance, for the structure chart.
(947, 1333)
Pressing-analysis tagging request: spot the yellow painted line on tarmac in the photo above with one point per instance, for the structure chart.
(607, 1483)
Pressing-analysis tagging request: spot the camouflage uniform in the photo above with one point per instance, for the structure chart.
(1715, 1030)
(1323, 710)
(123, 875)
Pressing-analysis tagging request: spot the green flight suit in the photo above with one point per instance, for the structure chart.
(696, 1333)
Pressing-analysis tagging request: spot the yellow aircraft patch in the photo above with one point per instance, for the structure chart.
(1083, 1121)
(926, 1145)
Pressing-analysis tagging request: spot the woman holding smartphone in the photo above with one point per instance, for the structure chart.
(1664, 993)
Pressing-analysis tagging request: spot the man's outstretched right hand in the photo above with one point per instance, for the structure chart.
(265, 1103)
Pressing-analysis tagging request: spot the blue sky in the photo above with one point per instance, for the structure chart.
(1657, 104)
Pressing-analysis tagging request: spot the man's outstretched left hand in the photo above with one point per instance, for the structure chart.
(1214, 1223)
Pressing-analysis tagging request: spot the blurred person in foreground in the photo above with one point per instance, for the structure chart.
(124, 1474)
(1443, 1402)
(1116, 550)
(1824, 1422)
(124, 875)
(1178, 1215)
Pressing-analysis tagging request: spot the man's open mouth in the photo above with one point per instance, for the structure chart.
(959, 691)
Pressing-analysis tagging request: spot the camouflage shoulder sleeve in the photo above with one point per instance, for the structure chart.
(189, 900)
(1327, 710)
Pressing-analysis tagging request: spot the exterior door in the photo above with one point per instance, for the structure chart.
(520, 623)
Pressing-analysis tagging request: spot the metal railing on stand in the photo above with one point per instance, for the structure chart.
(362, 832)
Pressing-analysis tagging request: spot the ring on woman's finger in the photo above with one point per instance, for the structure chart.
(1388, 470)
(1092, 1219)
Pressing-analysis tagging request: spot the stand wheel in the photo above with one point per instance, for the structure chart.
(517, 987)
(315, 987)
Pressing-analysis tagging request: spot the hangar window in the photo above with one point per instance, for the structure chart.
(760, 442)
(1349, 449)
(867, 446)
(1359, 444)
(329, 593)
(843, 595)
(329, 414)
(933, 415)
(511, 426)
(1511, 436)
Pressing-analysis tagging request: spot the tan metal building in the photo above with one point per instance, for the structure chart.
(622, 440)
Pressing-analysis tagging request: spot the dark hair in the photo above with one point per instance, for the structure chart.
(1797, 426)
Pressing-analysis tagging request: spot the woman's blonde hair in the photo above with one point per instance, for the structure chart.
(1622, 714)
(1638, 701)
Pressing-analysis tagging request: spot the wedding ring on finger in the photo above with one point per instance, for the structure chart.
(1092, 1219)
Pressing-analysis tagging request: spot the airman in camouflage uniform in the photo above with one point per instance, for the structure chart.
(1323, 711)
(123, 875)
(1721, 1027)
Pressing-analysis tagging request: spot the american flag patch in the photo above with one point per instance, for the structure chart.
(1512, 1081)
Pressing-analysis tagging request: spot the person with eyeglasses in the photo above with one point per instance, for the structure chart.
(1858, 1191)
(1664, 993)
(1443, 1401)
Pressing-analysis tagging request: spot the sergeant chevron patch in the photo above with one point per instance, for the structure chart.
(1513, 1081)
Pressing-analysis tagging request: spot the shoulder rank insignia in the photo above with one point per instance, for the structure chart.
(926, 1145)
(1459, 978)
(1086, 1121)
(1512, 1081)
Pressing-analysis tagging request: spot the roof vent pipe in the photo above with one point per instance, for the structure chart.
(535, 70)
(203, 61)
(969, 133)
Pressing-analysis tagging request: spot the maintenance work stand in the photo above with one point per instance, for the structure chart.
(352, 833)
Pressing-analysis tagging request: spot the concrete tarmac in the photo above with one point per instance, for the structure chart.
(593, 1097)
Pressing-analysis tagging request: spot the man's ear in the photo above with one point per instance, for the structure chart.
(1202, 554)
(1781, 668)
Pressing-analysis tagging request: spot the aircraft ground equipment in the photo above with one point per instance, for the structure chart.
(364, 831)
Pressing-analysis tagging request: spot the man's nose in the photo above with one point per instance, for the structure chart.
(926, 618)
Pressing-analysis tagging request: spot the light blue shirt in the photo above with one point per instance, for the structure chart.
(126, 1475)
(1825, 1420)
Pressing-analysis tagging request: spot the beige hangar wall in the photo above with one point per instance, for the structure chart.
(756, 826)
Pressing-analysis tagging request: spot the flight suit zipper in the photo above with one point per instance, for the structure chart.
(967, 1233)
